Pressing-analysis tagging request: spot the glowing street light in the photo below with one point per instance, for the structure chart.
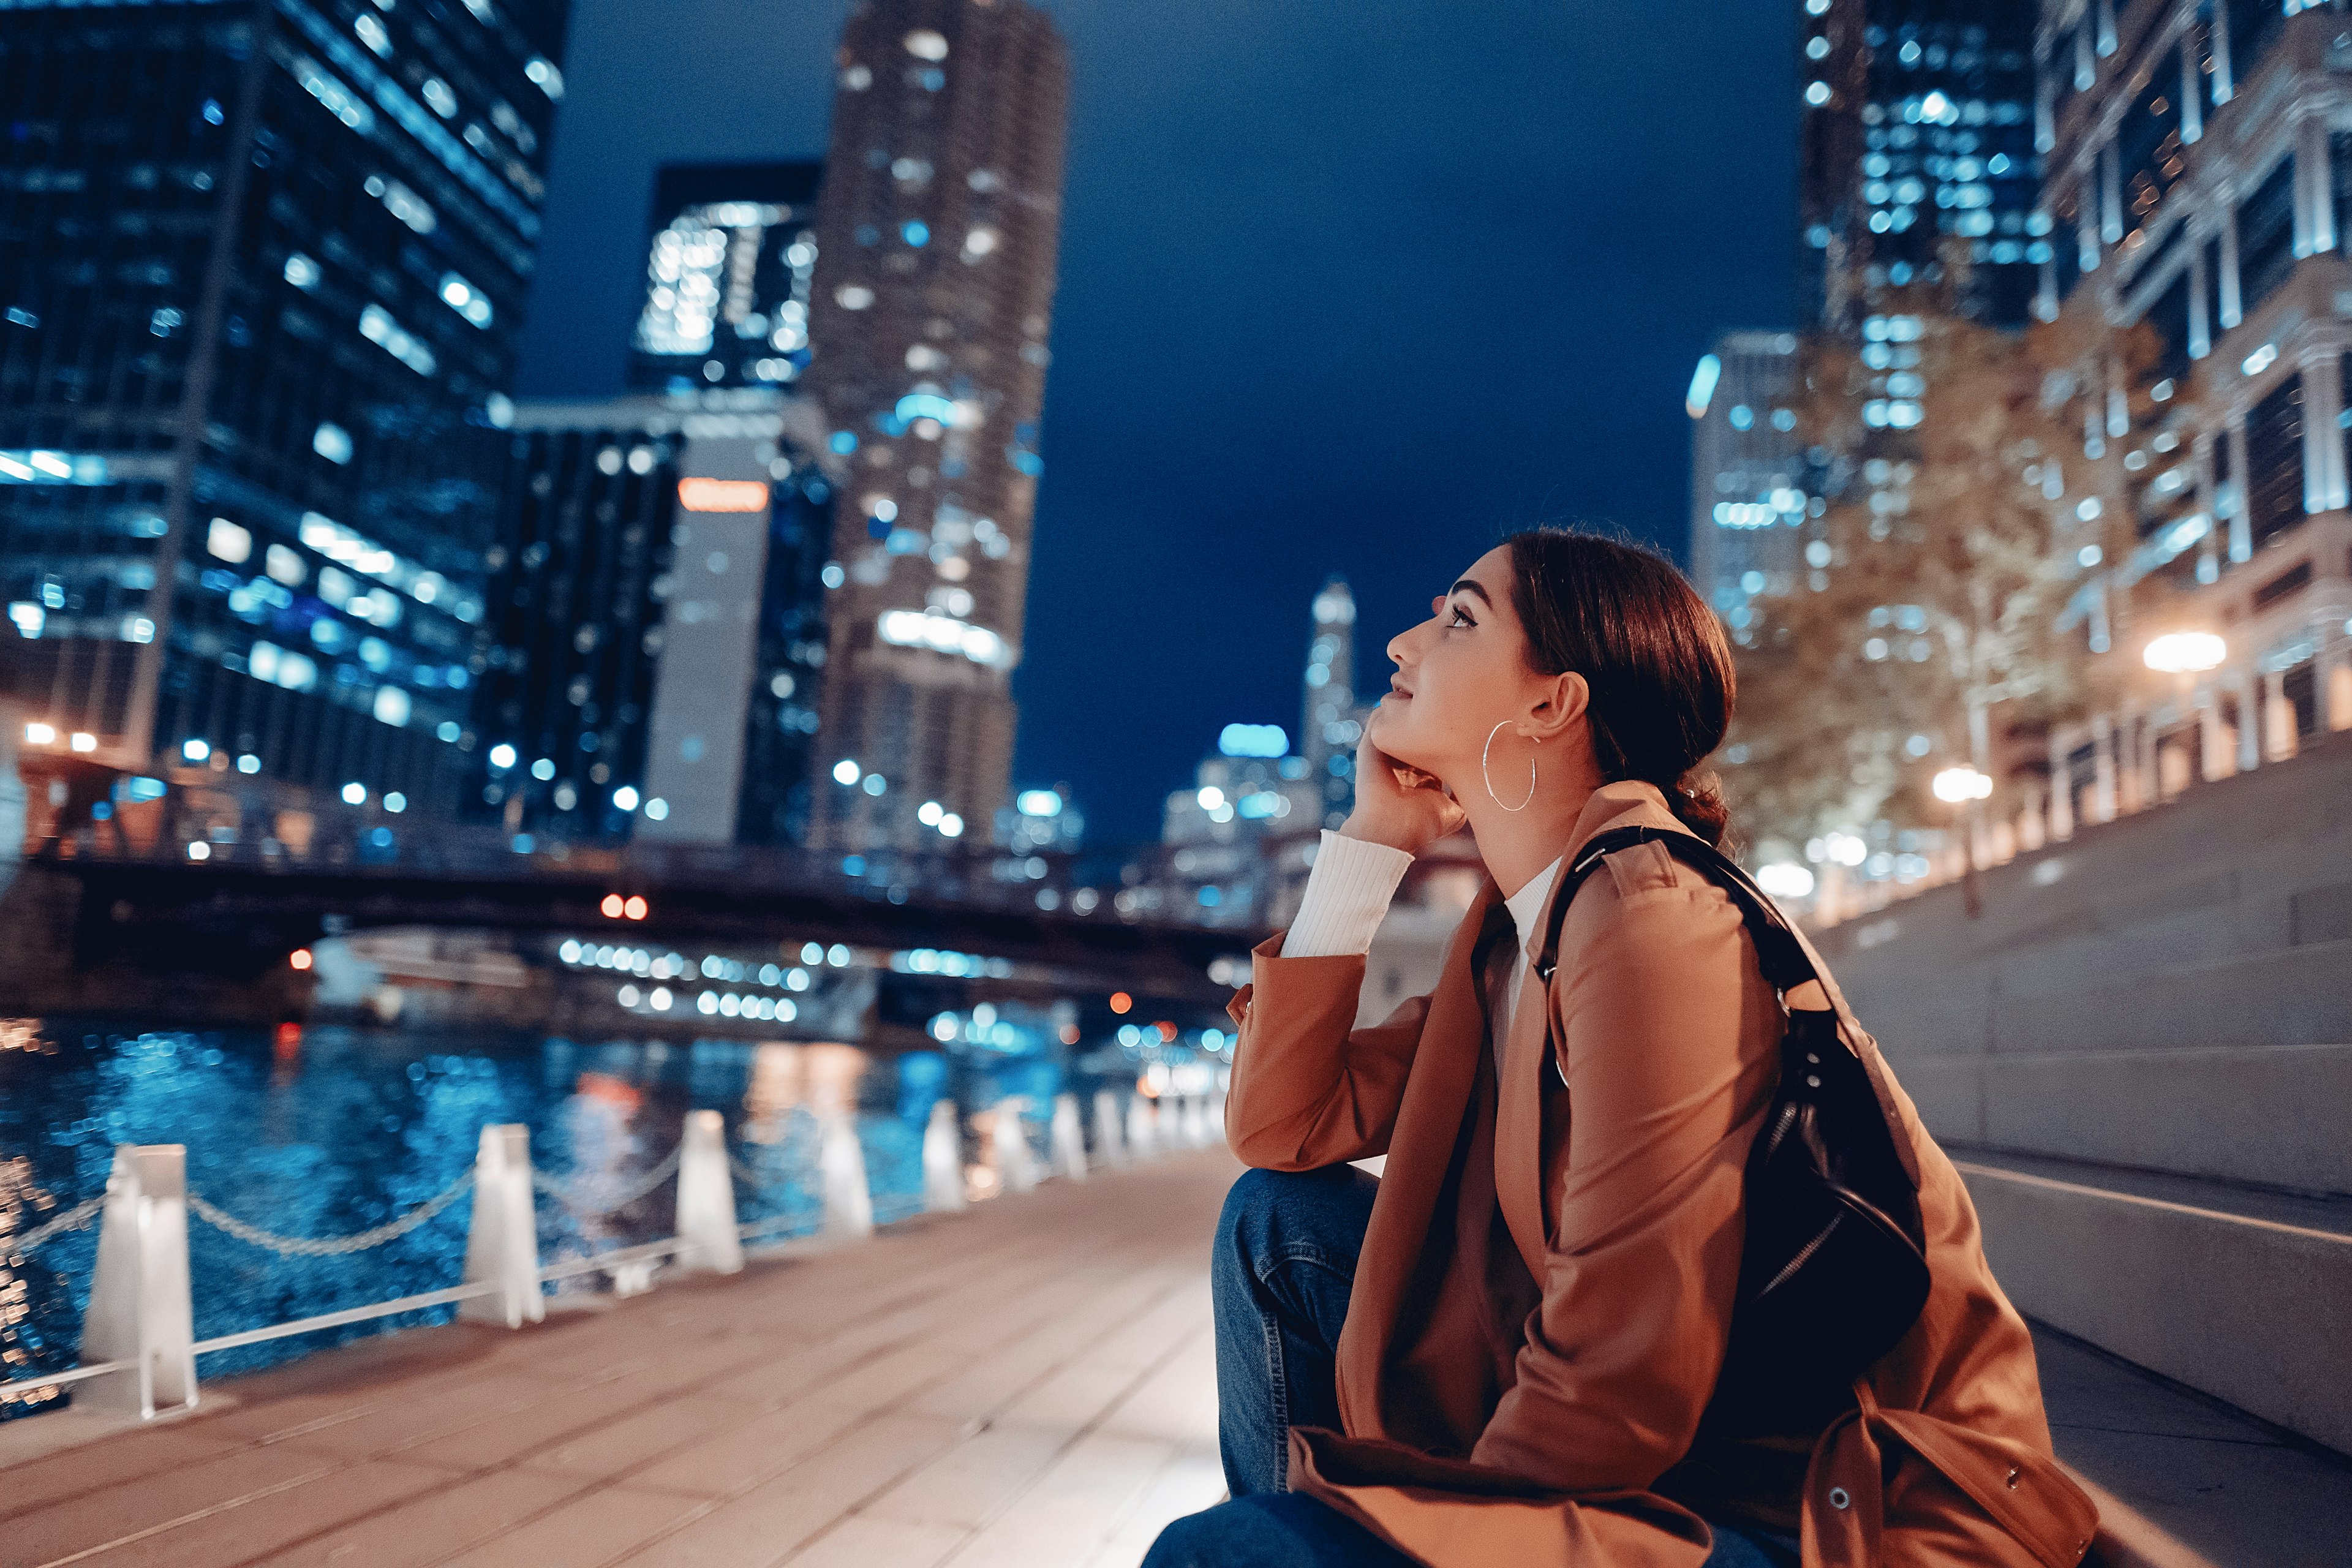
(2186, 653)
(1785, 880)
(1954, 785)
(1965, 786)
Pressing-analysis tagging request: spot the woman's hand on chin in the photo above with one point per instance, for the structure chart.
(1397, 805)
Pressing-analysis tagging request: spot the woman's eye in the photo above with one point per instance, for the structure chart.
(1461, 618)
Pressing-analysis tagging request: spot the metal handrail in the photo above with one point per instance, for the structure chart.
(612, 1260)
(348, 1315)
(330, 1246)
(73, 1374)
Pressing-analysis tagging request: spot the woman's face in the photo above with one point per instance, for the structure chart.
(1463, 671)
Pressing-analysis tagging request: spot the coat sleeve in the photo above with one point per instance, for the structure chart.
(1307, 1090)
(1667, 1031)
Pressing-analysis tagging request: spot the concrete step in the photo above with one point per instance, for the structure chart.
(2265, 1115)
(2240, 1293)
(2183, 1481)
(2287, 996)
(2207, 901)
(2281, 835)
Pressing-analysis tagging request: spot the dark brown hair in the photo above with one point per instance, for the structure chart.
(1653, 653)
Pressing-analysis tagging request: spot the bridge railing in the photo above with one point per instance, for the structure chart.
(139, 1348)
(964, 873)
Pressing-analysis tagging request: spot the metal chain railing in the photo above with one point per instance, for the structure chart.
(74, 1218)
(330, 1246)
(607, 1203)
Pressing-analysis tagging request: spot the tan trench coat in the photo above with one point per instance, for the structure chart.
(1613, 1236)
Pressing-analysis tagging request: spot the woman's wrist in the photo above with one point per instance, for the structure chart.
(1405, 835)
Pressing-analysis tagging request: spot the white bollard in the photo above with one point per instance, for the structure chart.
(1196, 1121)
(139, 1311)
(1110, 1147)
(943, 1159)
(848, 1200)
(706, 1198)
(1069, 1139)
(502, 1242)
(1014, 1163)
(1142, 1128)
(1216, 1114)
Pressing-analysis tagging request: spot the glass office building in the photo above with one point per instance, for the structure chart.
(1750, 476)
(263, 268)
(653, 651)
(731, 255)
(1918, 160)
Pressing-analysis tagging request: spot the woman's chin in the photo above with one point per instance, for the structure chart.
(1394, 738)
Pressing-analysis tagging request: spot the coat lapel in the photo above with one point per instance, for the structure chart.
(1429, 1120)
(1528, 1054)
(1519, 1121)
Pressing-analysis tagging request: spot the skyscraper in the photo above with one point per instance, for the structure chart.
(263, 268)
(731, 257)
(937, 236)
(654, 642)
(1918, 159)
(1329, 724)
(1748, 504)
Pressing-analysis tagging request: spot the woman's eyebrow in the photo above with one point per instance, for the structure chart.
(1470, 585)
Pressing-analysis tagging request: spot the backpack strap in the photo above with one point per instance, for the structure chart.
(1778, 951)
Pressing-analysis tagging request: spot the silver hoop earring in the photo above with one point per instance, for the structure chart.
(1483, 774)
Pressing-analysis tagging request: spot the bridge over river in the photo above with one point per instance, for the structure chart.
(158, 934)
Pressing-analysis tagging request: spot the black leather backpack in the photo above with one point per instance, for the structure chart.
(1833, 1271)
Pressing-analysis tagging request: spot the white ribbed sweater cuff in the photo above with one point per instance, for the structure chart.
(1347, 895)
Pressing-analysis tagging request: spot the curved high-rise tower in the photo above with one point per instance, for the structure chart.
(936, 242)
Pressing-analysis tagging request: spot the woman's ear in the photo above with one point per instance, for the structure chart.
(1561, 707)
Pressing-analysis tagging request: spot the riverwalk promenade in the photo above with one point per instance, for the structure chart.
(1029, 1384)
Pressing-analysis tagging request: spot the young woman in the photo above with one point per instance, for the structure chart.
(1501, 1352)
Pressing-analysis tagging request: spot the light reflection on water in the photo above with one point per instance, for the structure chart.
(333, 1130)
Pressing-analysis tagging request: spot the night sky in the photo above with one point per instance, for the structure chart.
(1344, 287)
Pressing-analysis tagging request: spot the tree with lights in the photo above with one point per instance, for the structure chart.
(1953, 602)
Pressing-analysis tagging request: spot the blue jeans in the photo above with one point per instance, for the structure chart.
(1283, 1266)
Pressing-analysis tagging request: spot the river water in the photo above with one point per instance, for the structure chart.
(327, 1130)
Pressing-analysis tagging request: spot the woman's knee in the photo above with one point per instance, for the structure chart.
(1252, 1205)
(1191, 1541)
(1270, 1214)
(1286, 1529)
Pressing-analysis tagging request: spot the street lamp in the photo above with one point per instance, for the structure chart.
(2188, 657)
(2186, 653)
(1965, 787)
(1954, 785)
